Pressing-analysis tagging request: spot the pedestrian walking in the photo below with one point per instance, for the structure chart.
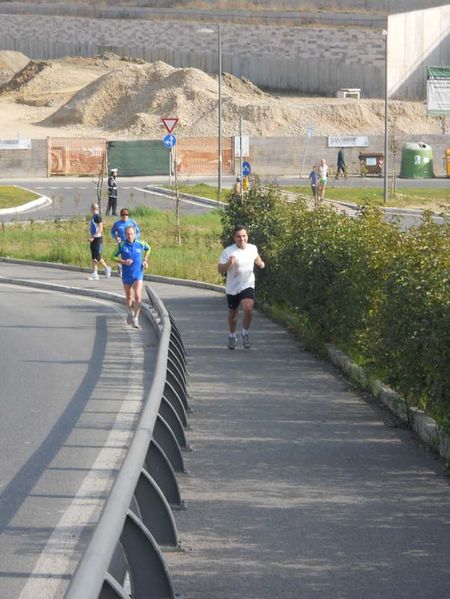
(323, 178)
(237, 189)
(112, 193)
(341, 165)
(132, 255)
(237, 261)
(96, 244)
(314, 176)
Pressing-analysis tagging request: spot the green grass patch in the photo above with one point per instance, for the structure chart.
(11, 196)
(403, 198)
(203, 190)
(67, 242)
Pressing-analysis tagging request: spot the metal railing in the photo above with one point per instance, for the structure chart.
(137, 516)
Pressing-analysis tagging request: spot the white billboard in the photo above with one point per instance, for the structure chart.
(438, 91)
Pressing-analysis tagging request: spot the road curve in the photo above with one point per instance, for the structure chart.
(73, 380)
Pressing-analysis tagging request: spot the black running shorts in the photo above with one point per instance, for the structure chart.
(235, 300)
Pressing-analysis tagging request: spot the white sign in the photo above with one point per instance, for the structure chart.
(245, 146)
(348, 141)
(438, 96)
(15, 144)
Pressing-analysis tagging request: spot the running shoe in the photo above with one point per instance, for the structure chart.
(107, 272)
(246, 341)
(136, 324)
(232, 342)
(93, 277)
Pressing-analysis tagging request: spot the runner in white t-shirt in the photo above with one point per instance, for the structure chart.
(238, 261)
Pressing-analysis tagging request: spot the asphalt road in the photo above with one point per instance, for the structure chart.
(73, 379)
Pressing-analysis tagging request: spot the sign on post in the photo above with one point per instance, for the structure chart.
(246, 169)
(170, 124)
(169, 141)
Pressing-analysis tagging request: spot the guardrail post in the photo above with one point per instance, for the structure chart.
(149, 577)
(169, 414)
(155, 512)
(111, 589)
(171, 378)
(175, 400)
(164, 436)
(159, 468)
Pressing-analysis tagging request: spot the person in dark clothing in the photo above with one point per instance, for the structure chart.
(341, 164)
(112, 193)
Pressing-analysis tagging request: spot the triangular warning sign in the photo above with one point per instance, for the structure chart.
(169, 124)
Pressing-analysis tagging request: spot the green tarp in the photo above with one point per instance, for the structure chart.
(136, 158)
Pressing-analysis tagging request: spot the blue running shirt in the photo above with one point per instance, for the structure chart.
(135, 251)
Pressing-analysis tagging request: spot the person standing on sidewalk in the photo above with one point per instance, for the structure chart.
(112, 193)
(132, 255)
(237, 261)
(96, 241)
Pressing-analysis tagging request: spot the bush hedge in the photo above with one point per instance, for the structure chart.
(379, 293)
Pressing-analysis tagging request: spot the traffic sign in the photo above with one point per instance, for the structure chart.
(309, 131)
(169, 141)
(246, 168)
(170, 124)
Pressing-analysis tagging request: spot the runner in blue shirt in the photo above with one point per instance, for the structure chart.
(132, 255)
(118, 230)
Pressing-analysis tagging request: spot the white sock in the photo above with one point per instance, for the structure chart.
(231, 334)
(244, 332)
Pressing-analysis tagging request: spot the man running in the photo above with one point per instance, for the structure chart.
(132, 255)
(118, 230)
(96, 244)
(237, 262)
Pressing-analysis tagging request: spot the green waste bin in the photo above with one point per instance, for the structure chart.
(417, 161)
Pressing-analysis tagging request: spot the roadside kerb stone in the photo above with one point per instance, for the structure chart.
(184, 196)
(39, 203)
(426, 427)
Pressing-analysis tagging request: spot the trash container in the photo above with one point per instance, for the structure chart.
(447, 161)
(417, 161)
(371, 163)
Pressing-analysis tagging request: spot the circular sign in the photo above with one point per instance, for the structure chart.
(169, 141)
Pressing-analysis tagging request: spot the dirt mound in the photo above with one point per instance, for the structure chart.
(109, 95)
(10, 63)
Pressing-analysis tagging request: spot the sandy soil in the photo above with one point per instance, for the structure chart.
(112, 97)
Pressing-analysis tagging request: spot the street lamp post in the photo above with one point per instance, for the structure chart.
(219, 132)
(219, 125)
(385, 194)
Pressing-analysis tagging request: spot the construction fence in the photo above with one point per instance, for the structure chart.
(194, 156)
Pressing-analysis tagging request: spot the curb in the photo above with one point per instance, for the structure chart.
(426, 427)
(388, 209)
(39, 203)
(154, 278)
(184, 196)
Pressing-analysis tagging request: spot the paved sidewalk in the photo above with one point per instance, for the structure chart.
(298, 488)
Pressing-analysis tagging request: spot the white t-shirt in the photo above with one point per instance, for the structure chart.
(240, 276)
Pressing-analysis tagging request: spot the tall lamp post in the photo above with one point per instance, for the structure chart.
(385, 194)
(219, 127)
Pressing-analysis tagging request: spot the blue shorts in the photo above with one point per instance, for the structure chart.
(130, 279)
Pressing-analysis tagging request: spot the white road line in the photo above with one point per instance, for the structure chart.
(55, 560)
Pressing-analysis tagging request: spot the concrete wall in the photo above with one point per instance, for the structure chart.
(25, 163)
(307, 59)
(416, 40)
(273, 156)
(269, 156)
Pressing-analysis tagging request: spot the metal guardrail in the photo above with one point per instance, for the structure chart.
(137, 517)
